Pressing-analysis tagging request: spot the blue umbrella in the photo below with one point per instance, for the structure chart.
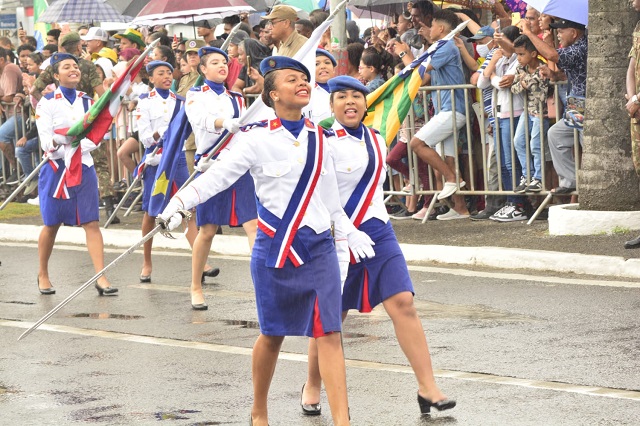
(80, 11)
(573, 10)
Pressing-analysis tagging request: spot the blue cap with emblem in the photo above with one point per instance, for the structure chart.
(59, 57)
(209, 49)
(274, 63)
(155, 64)
(322, 52)
(344, 82)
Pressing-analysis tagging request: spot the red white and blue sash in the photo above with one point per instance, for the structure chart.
(283, 231)
(360, 199)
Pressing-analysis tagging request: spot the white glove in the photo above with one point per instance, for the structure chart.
(62, 139)
(231, 124)
(170, 214)
(203, 165)
(361, 245)
(152, 159)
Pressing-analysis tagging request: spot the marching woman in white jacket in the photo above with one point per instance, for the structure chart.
(76, 205)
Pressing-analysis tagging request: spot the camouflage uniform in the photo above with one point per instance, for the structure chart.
(635, 123)
(88, 80)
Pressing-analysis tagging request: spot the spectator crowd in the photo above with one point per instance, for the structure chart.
(519, 74)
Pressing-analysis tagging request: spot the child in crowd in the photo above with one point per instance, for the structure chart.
(371, 68)
(528, 79)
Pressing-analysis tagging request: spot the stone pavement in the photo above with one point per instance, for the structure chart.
(462, 242)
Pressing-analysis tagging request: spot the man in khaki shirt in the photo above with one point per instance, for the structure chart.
(282, 20)
(186, 83)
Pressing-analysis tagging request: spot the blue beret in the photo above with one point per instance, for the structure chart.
(59, 57)
(273, 63)
(322, 52)
(209, 49)
(344, 82)
(155, 64)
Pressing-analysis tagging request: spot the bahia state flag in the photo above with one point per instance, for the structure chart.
(96, 122)
(389, 104)
(165, 185)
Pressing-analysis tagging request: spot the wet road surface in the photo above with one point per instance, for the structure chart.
(511, 348)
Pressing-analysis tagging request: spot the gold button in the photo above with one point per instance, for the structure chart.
(300, 160)
(348, 169)
(296, 143)
(362, 143)
(278, 174)
(371, 204)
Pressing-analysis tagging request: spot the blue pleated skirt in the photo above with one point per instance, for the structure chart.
(374, 280)
(303, 301)
(233, 206)
(83, 203)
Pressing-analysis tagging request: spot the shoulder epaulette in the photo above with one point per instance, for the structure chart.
(196, 89)
(144, 96)
(376, 131)
(85, 96)
(247, 127)
(49, 95)
(236, 94)
(180, 98)
(328, 132)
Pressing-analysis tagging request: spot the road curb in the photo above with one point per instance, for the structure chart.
(494, 257)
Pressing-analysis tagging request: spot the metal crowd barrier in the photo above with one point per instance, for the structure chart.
(470, 145)
(20, 130)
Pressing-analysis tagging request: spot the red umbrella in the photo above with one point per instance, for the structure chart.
(163, 9)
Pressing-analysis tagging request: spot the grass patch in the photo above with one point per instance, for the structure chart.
(18, 210)
(619, 230)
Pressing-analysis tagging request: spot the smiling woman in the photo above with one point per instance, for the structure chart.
(294, 265)
(77, 205)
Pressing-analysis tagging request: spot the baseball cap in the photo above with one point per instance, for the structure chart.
(71, 37)
(96, 33)
(565, 23)
(486, 31)
(132, 35)
(282, 12)
(108, 53)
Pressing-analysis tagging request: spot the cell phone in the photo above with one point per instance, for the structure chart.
(21, 27)
(515, 18)
(398, 39)
(499, 29)
(175, 38)
(181, 37)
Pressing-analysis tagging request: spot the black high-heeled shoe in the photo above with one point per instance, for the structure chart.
(425, 404)
(309, 409)
(106, 291)
(145, 278)
(45, 291)
(213, 272)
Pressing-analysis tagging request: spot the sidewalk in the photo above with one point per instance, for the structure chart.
(462, 242)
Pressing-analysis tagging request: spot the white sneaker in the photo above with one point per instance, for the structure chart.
(452, 215)
(449, 189)
(509, 213)
(34, 201)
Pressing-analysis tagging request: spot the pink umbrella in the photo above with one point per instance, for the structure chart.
(165, 9)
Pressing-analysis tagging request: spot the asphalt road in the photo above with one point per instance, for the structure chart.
(513, 349)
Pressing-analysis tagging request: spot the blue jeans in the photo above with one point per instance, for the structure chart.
(506, 162)
(520, 142)
(8, 131)
(24, 154)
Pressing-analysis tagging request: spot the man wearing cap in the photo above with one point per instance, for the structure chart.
(90, 81)
(96, 39)
(205, 31)
(282, 20)
(486, 47)
(131, 39)
(186, 83)
(572, 59)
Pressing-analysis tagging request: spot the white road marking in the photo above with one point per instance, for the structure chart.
(364, 365)
(428, 269)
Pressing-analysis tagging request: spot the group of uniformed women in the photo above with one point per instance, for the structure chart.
(297, 179)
